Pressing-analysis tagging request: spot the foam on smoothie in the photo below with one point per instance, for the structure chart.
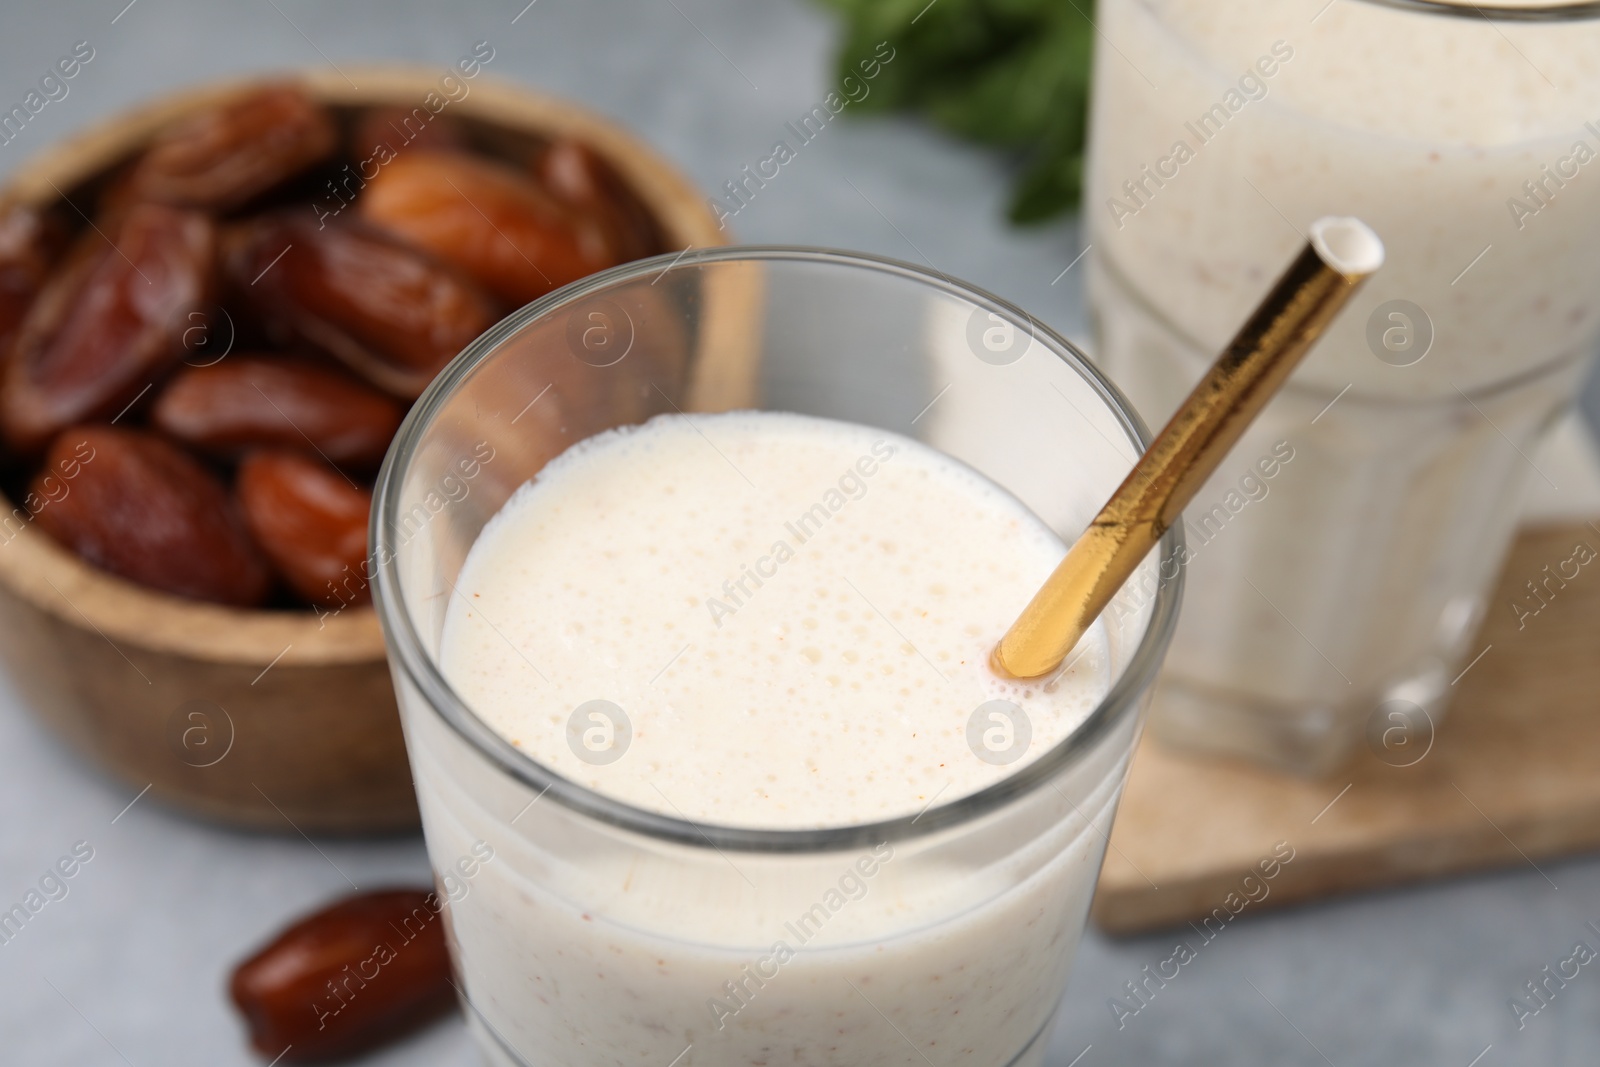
(794, 615)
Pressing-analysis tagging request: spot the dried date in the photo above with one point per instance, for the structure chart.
(311, 522)
(579, 176)
(228, 155)
(142, 509)
(391, 313)
(347, 978)
(108, 324)
(495, 224)
(247, 402)
(30, 240)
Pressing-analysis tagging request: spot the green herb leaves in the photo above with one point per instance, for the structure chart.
(1011, 73)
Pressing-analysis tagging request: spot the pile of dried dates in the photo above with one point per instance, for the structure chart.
(203, 365)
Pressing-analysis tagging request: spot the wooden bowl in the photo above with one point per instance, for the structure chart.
(264, 719)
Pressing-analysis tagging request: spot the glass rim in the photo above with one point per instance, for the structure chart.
(407, 652)
(1574, 11)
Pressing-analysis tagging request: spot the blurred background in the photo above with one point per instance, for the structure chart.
(130, 967)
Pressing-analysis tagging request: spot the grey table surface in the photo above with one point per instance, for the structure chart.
(129, 968)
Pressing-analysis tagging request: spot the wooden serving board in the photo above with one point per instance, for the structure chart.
(1512, 777)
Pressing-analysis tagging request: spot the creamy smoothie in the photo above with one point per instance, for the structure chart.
(795, 616)
(778, 622)
(1356, 570)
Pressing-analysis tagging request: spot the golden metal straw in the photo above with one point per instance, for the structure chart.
(1340, 254)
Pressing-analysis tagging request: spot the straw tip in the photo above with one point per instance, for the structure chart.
(1347, 244)
(1020, 664)
(997, 661)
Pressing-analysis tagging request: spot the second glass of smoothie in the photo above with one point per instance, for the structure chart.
(1339, 563)
(690, 573)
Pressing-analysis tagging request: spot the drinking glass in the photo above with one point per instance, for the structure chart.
(588, 931)
(1339, 564)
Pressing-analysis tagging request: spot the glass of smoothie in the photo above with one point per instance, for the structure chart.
(1338, 564)
(690, 573)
